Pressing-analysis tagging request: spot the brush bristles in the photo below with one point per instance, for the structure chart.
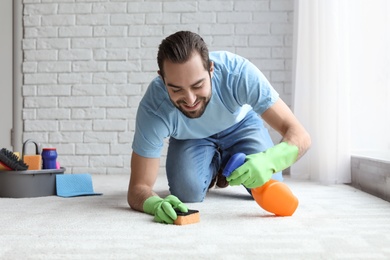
(10, 160)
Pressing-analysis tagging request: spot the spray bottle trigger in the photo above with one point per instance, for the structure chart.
(234, 162)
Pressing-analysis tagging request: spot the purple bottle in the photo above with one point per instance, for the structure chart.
(49, 157)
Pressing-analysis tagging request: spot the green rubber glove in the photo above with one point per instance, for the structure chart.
(259, 167)
(163, 210)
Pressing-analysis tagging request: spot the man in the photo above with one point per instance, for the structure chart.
(209, 105)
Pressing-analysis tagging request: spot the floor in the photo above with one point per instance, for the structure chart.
(331, 222)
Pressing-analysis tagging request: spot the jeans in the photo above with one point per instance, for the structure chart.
(192, 164)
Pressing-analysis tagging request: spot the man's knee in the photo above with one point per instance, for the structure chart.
(191, 193)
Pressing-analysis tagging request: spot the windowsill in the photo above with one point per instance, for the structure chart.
(371, 173)
(373, 155)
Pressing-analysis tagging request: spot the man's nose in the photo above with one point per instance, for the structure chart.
(190, 97)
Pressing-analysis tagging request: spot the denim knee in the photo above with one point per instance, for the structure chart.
(190, 193)
(190, 166)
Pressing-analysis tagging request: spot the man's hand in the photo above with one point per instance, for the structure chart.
(258, 168)
(163, 210)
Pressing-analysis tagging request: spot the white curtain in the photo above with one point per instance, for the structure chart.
(330, 72)
(370, 92)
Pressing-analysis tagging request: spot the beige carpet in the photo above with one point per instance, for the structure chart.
(332, 222)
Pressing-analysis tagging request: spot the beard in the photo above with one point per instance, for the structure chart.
(201, 102)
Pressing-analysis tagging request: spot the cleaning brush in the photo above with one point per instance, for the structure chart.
(11, 162)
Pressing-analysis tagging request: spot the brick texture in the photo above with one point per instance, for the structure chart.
(87, 64)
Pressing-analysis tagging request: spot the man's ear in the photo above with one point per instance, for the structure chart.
(161, 77)
(211, 68)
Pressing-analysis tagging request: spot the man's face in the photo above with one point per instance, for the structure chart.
(189, 85)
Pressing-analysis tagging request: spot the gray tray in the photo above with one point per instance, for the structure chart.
(24, 184)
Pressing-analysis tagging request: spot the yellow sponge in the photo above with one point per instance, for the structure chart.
(190, 217)
(34, 162)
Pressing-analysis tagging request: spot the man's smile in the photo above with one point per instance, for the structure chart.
(191, 107)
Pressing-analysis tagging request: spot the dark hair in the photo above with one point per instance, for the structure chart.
(179, 47)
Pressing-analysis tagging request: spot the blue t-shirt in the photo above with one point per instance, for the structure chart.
(237, 87)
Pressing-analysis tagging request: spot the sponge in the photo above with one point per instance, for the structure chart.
(184, 218)
(34, 161)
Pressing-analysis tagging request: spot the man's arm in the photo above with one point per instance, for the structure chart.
(280, 118)
(259, 167)
(144, 173)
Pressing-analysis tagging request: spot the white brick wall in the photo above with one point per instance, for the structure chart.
(87, 64)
